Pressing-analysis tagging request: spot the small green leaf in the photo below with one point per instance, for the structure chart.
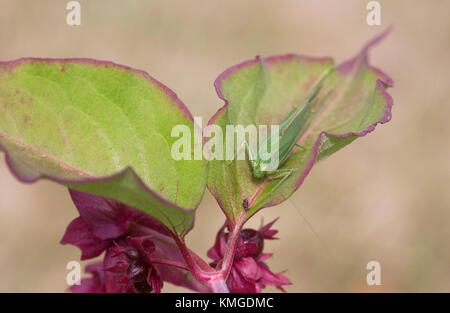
(351, 102)
(101, 128)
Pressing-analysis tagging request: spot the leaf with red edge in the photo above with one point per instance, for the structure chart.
(352, 101)
(101, 128)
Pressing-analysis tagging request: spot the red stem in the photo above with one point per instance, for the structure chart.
(201, 273)
(200, 262)
(228, 259)
(168, 262)
(216, 279)
(196, 265)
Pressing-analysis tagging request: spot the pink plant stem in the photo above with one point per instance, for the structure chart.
(231, 245)
(200, 262)
(168, 262)
(215, 279)
(201, 273)
(219, 285)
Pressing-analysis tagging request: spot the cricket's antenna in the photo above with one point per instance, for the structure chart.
(311, 228)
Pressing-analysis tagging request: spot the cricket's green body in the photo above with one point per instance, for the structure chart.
(290, 131)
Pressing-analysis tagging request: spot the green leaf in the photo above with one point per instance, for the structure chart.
(351, 102)
(101, 128)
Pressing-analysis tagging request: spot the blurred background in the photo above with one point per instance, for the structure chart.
(385, 197)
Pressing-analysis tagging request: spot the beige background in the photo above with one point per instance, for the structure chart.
(385, 197)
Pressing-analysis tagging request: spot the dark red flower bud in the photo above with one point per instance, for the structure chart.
(129, 268)
(132, 253)
(251, 244)
(249, 273)
(136, 270)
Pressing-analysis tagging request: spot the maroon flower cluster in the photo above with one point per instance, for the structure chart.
(139, 253)
(131, 240)
(130, 268)
(249, 273)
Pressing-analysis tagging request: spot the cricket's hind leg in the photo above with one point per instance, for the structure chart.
(284, 174)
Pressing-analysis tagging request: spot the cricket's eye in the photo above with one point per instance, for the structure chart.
(254, 164)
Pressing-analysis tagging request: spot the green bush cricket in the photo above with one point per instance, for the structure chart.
(292, 128)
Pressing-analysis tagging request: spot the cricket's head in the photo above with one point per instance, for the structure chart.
(259, 169)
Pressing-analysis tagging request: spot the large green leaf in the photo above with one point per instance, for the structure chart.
(352, 101)
(101, 128)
